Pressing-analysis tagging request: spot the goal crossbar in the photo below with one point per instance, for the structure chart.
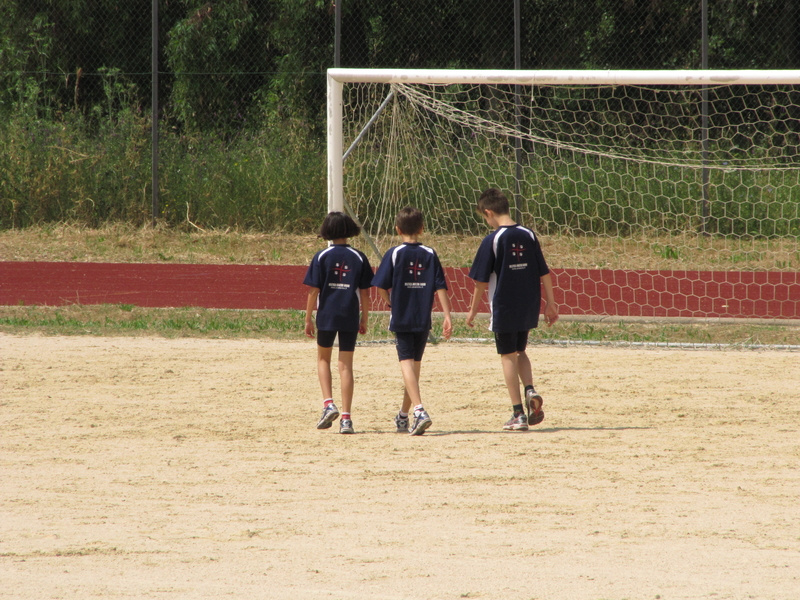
(570, 77)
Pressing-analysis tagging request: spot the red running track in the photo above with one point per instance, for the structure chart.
(735, 294)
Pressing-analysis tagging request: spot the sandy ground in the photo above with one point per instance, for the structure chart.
(185, 468)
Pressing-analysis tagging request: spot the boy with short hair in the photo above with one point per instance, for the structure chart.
(414, 275)
(510, 263)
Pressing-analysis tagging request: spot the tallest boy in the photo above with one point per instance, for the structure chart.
(510, 263)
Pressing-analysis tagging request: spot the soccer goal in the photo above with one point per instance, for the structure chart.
(625, 175)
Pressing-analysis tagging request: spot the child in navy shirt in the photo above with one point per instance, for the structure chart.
(510, 263)
(414, 275)
(339, 279)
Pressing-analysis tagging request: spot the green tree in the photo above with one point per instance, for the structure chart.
(220, 56)
(754, 34)
(303, 34)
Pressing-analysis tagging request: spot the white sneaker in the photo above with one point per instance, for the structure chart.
(517, 423)
(401, 423)
(421, 422)
(329, 414)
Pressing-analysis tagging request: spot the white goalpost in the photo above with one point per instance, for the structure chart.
(680, 172)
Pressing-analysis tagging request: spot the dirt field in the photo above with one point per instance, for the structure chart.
(187, 468)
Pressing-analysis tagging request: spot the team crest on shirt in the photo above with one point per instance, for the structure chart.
(414, 269)
(341, 271)
(517, 251)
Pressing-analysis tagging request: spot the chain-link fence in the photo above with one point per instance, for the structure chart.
(241, 90)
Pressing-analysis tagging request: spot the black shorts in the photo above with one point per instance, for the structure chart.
(410, 344)
(347, 339)
(508, 343)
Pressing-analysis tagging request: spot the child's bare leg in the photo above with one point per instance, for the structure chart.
(406, 405)
(511, 373)
(525, 370)
(411, 396)
(324, 371)
(346, 378)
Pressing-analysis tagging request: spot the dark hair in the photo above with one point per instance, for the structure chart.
(493, 200)
(338, 225)
(409, 220)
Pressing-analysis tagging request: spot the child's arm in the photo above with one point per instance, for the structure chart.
(477, 296)
(550, 306)
(444, 300)
(365, 306)
(311, 304)
(384, 294)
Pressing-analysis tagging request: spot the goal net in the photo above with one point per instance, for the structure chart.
(627, 177)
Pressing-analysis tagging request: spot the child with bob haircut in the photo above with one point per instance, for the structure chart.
(510, 263)
(414, 275)
(339, 278)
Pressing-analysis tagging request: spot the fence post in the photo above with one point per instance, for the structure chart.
(704, 117)
(154, 101)
(517, 113)
(337, 34)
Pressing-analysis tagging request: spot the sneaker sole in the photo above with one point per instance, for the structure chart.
(327, 421)
(347, 431)
(534, 417)
(421, 428)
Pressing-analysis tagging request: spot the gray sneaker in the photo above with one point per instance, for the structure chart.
(401, 423)
(421, 422)
(329, 414)
(533, 402)
(517, 423)
(346, 426)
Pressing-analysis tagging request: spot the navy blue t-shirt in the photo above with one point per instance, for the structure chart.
(510, 260)
(339, 272)
(414, 274)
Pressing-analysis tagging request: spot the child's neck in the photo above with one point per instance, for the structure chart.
(339, 242)
(409, 239)
(504, 220)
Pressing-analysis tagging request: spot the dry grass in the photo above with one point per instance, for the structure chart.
(122, 243)
(125, 243)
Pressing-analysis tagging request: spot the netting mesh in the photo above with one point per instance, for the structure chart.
(612, 177)
(754, 128)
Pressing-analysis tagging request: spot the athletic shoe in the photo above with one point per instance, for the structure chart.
(421, 422)
(346, 426)
(533, 402)
(329, 414)
(517, 423)
(401, 423)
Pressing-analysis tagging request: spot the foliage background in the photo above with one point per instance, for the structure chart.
(242, 88)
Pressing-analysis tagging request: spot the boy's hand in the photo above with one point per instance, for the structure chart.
(447, 327)
(309, 329)
(477, 294)
(362, 326)
(551, 313)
